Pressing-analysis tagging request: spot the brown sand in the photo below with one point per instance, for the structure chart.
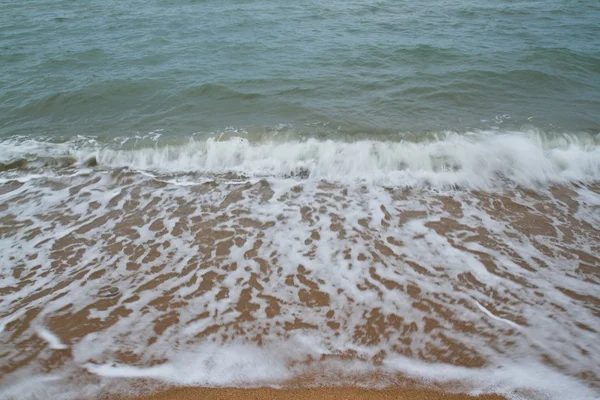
(321, 393)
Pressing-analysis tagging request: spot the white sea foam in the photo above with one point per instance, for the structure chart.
(210, 365)
(53, 341)
(491, 315)
(476, 161)
(251, 366)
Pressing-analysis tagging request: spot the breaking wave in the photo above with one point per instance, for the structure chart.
(481, 160)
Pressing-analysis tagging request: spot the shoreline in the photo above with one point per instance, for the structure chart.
(325, 393)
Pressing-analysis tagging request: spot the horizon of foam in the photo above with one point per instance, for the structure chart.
(481, 160)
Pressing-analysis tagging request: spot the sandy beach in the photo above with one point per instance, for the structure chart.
(324, 393)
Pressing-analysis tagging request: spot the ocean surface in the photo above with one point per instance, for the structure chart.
(261, 192)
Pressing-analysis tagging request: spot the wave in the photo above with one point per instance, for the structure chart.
(105, 92)
(481, 160)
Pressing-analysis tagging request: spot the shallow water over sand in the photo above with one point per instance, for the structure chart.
(233, 280)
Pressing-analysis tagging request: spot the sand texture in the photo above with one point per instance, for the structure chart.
(337, 393)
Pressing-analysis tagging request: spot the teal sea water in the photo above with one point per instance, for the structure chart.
(357, 68)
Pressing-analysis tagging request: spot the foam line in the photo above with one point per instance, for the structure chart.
(53, 341)
(489, 314)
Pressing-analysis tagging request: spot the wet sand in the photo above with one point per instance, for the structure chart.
(331, 393)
